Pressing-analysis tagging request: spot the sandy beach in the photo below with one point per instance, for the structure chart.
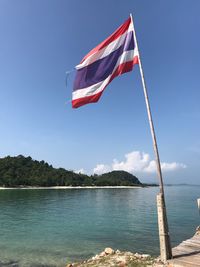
(72, 187)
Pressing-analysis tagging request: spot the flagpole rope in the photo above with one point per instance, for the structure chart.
(68, 73)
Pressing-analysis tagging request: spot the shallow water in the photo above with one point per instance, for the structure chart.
(52, 227)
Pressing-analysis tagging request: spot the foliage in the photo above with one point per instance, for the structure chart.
(116, 178)
(24, 171)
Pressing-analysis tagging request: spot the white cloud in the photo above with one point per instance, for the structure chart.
(134, 161)
(172, 166)
(137, 162)
(101, 168)
(151, 168)
(80, 171)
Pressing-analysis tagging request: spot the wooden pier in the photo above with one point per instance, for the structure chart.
(187, 253)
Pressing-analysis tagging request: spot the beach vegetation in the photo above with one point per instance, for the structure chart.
(24, 171)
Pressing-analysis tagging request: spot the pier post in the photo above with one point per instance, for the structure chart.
(165, 245)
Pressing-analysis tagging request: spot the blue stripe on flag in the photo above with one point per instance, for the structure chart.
(102, 68)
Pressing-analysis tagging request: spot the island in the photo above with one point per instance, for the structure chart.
(21, 171)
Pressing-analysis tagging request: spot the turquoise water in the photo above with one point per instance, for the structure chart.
(53, 227)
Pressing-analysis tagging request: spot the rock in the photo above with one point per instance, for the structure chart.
(102, 254)
(109, 251)
(138, 256)
(109, 257)
(197, 231)
(128, 253)
(95, 257)
(158, 260)
(145, 256)
(122, 264)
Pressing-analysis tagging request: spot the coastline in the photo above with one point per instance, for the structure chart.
(73, 187)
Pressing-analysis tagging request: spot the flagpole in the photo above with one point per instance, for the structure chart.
(165, 245)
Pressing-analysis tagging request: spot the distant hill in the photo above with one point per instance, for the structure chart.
(24, 171)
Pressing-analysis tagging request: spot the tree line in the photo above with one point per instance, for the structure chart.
(24, 171)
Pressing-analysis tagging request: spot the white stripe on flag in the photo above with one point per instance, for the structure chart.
(106, 50)
(91, 90)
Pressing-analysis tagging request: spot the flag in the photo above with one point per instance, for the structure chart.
(114, 56)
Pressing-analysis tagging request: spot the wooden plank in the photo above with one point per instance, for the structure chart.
(191, 258)
(191, 244)
(188, 260)
(189, 247)
(187, 253)
(195, 259)
(181, 253)
(185, 249)
(180, 256)
(195, 237)
(183, 264)
(195, 240)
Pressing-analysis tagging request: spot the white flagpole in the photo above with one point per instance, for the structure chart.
(165, 246)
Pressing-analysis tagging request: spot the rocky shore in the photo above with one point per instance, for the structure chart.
(117, 258)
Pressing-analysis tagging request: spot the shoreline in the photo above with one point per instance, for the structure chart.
(73, 187)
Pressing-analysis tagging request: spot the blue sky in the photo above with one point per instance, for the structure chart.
(41, 40)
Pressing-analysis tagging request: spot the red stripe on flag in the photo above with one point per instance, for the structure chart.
(111, 38)
(86, 100)
(124, 67)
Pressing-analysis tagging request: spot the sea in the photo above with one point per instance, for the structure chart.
(52, 227)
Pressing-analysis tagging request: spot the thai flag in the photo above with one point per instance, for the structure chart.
(114, 56)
